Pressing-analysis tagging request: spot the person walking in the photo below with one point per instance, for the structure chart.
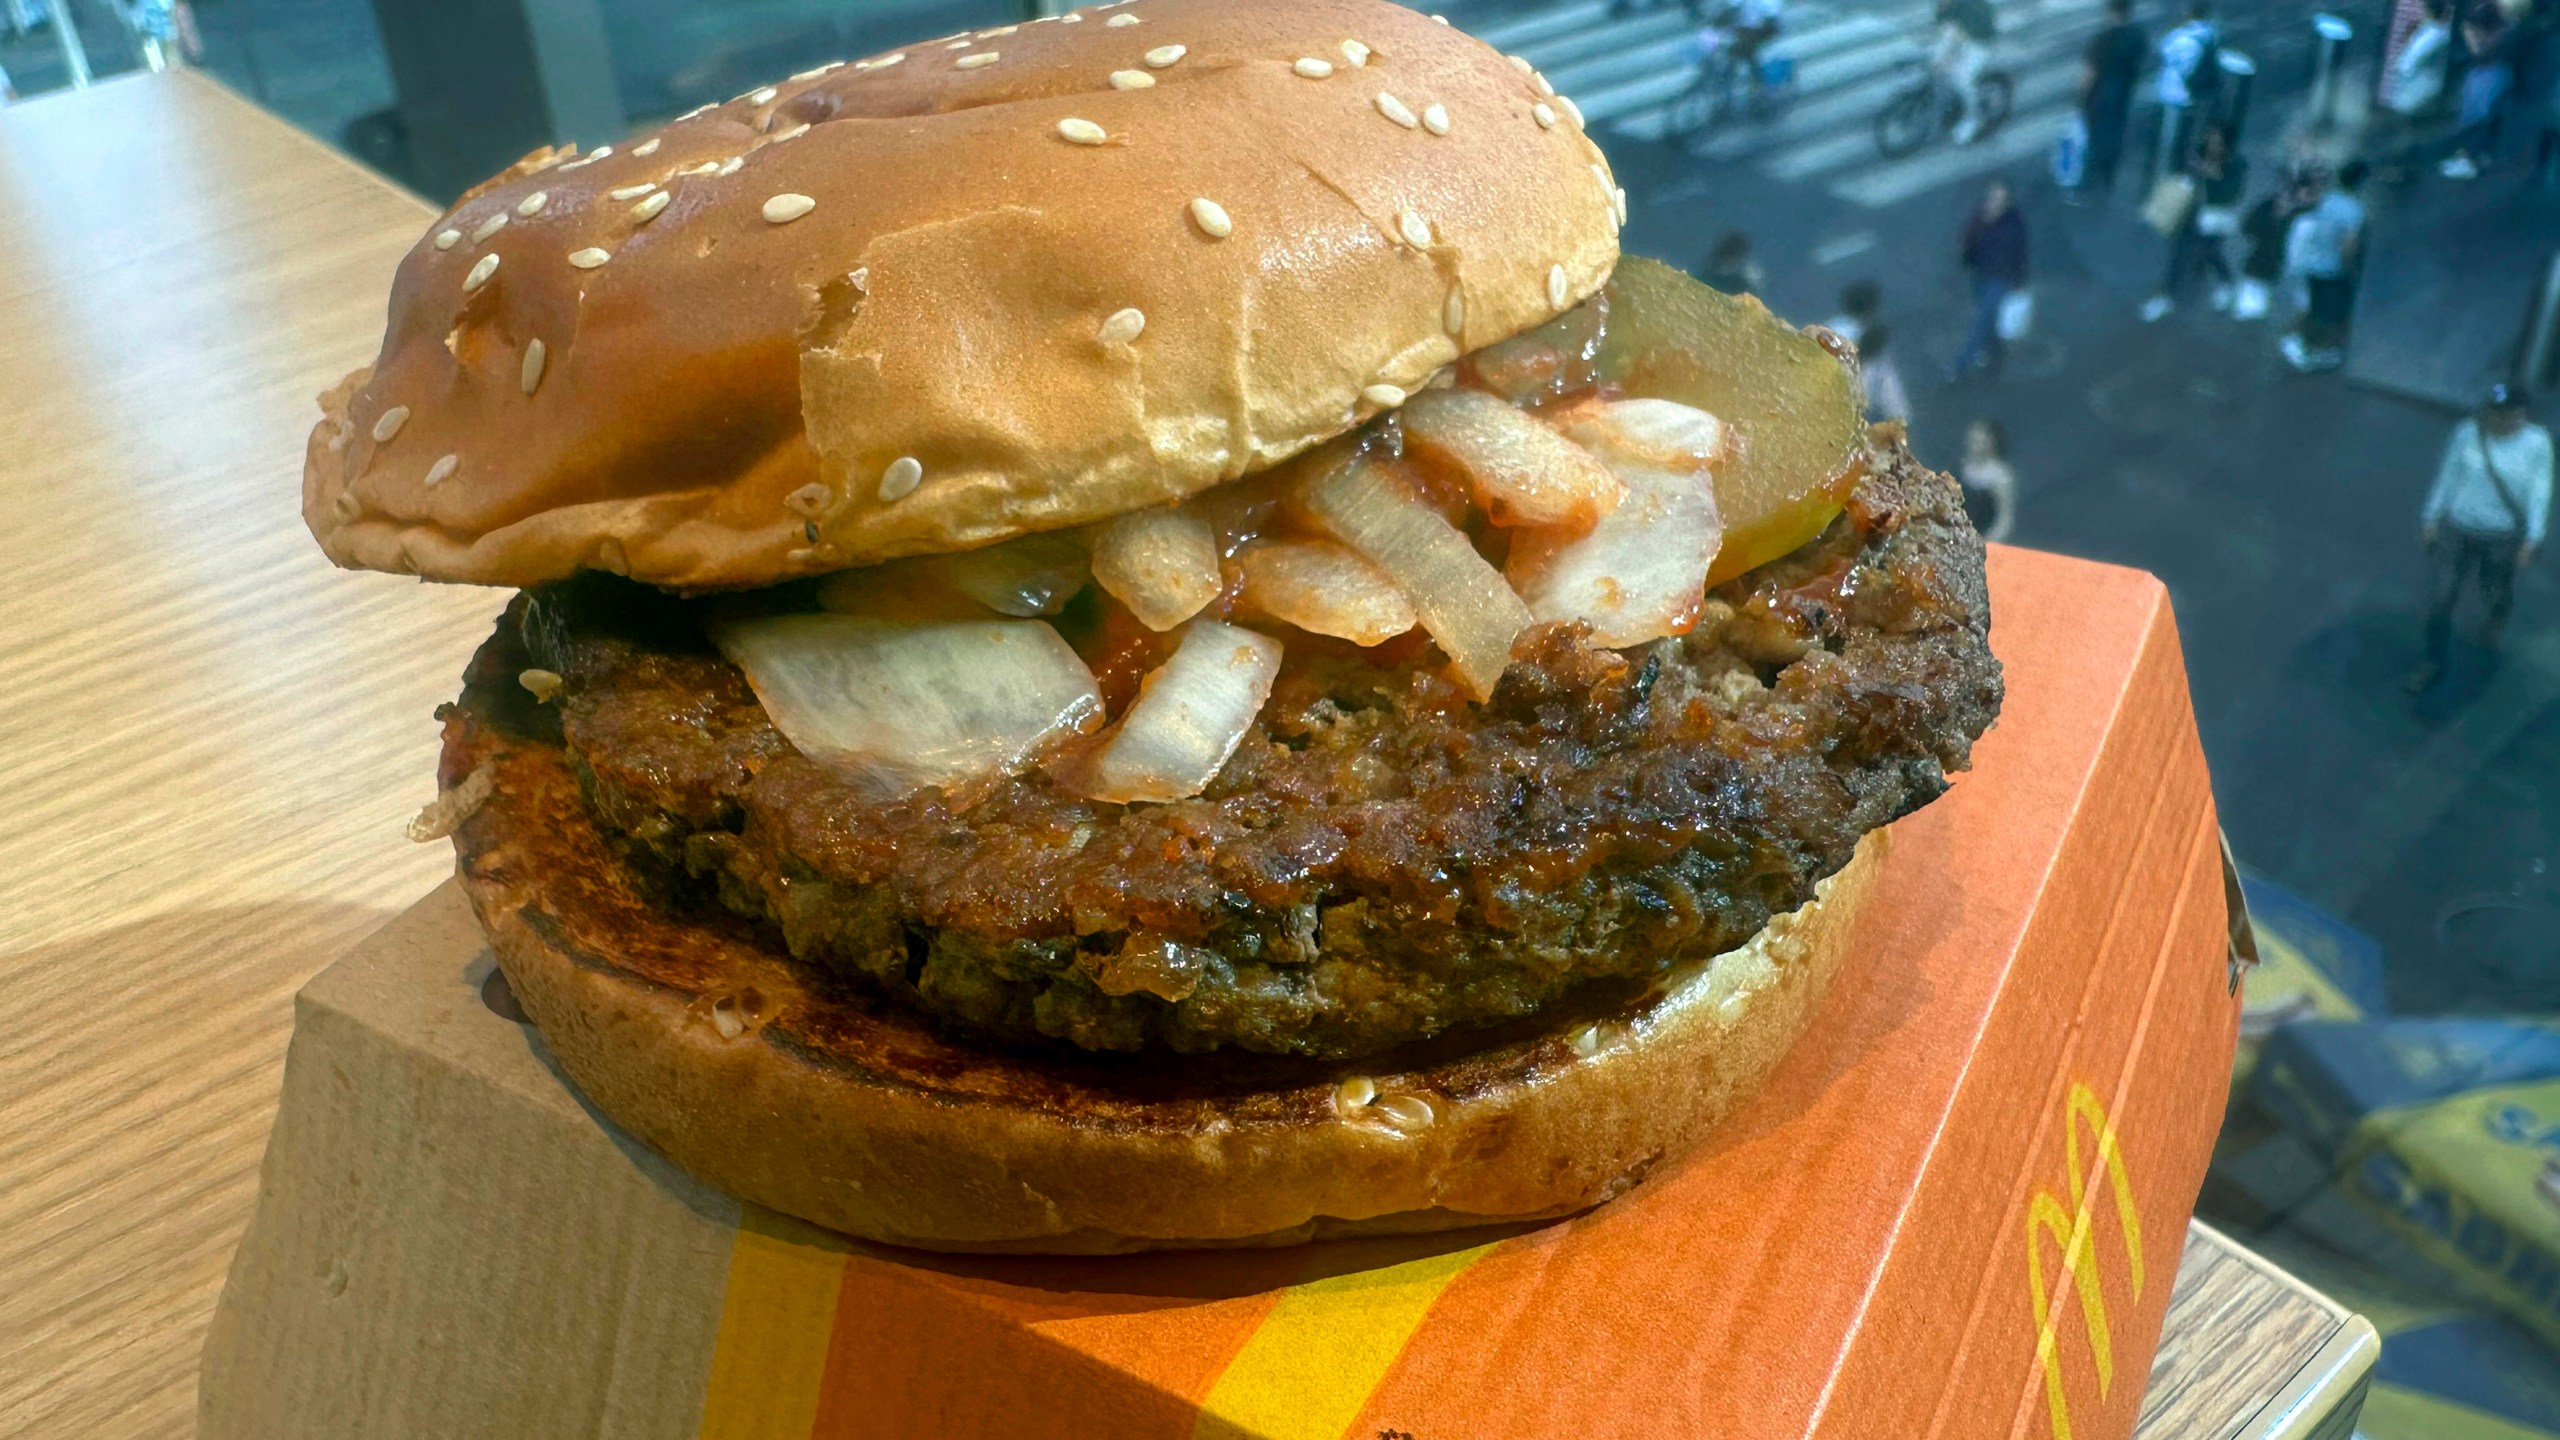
(1729, 264)
(2324, 247)
(2190, 74)
(2482, 522)
(1860, 300)
(2219, 175)
(2109, 69)
(1990, 486)
(1995, 257)
(1880, 377)
(1966, 29)
(2484, 88)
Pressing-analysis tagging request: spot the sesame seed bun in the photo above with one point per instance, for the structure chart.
(858, 1116)
(997, 283)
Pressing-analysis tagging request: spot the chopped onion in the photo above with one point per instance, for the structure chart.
(1323, 589)
(1033, 575)
(1641, 573)
(907, 705)
(1520, 471)
(1162, 564)
(1461, 599)
(1191, 713)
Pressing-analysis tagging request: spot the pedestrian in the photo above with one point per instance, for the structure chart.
(1966, 29)
(2415, 81)
(1990, 486)
(2218, 175)
(1880, 377)
(2190, 73)
(2108, 70)
(2324, 247)
(1729, 264)
(2484, 88)
(1995, 256)
(2483, 521)
(1859, 302)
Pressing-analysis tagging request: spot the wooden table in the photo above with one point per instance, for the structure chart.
(212, 739)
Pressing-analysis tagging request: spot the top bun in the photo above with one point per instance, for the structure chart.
(1002, 282)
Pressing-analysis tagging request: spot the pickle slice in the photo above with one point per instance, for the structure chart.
(1797, 435)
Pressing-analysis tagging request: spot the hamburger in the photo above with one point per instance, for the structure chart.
(1133, 631)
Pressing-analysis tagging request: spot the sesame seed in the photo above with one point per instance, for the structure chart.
(1618, 202)
(647, 210)
(1415, 230)
(1389, 396)
(1540, 81)
(1453, 311)
(542, 685)
(1131, 80)
(1545, 115)
(442, 470)
(820, 70)
(347, 505)
(1396, 110)
(481, 270)
(702, 109)
(810, 500)
(1572, 111)
(1071, 18)
(1117, 21)
(1435, 118)
(729, 166)
(1211, 217)
(707, 167)
(762, 95)
(1122, 326)
(589, 258)
(786, 207)
(447, 239)
(880, 62)
(999, 30)
(531, 373)
(901, 478)
(589, 158)
(1520, 63)
(1355, 1093)
(489, 227)
(1556, 291)
(1313, 68)
(647, 147)
(1439, 19)
(981, 59)
(1355, 52)
(962, 44)
(1164, 55)
(1082, 132)
(794, 133)
(532, 204)
(1586, 1041)
(389, 424)
(631, 192)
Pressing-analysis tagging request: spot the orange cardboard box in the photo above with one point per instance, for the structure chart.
(1956, 1211)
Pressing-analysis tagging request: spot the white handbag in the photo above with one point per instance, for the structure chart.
(2017, 314)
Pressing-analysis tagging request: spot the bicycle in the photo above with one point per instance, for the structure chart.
(1930, 108)
(1729, 88)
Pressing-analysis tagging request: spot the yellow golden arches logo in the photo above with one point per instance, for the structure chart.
(2069, 1229)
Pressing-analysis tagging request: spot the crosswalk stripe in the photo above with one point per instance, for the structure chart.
(1626, 71)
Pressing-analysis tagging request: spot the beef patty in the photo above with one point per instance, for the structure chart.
(1380, 861)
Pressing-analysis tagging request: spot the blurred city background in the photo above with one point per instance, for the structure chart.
(2242, 365)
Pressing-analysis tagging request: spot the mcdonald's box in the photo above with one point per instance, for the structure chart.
(1956, 1210)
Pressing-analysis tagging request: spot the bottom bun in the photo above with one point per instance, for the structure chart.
(759, 1078)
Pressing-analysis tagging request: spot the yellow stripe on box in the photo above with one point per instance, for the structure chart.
(1322, 1350)
(780, 1309)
